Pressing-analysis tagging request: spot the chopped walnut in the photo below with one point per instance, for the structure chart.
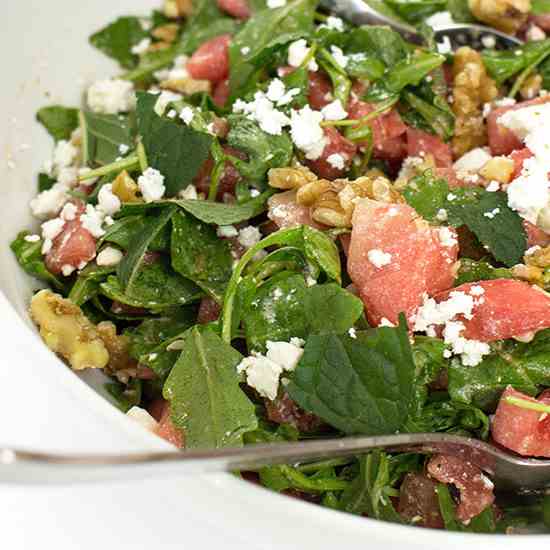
(529, 273)
(538, 258)
(68, 332)
(174, 9)
(505, 15)
(166, 33)
(291, 177)
(117, 345)
(125, 188)
(531, 87)
(472, 87)
(186, 86)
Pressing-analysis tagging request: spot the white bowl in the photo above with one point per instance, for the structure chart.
(45, 406)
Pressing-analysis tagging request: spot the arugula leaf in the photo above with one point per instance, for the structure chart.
(198, 254)
(203, 389)
(379, 42)
(264, 151)
(266, 29)
(30, 258)
(117, 39)
(416, 11)
(503, 233)
(127, 228)
(102, 136)
(59, 121)
(503, 64)
(206, 22)
(371, 491)
(87, 283)
(129, 266)
(435, 113)
(412, 70)
(526, 367)
(471, 271)
(155, 286)
(360, 385)
(177, 151)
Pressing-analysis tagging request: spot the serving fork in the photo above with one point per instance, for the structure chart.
(508, 472)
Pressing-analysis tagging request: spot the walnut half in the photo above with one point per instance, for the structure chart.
(68, 332)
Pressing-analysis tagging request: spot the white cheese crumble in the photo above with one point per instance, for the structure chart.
(52, 228)
(141, 47)
(64, 155)
(187, 115)
(307, 133)
(339, 56)
(123, 149)
(273, 4)
(352, 333)
(164, 99)
(334, 111)
(92, 220)
(493, 186)
(473, 161)
(263, 372)
(151, 185)
(189, 193)
(336, 160)
(384, 322)
(263, 111)
(67, 270)
(107, 201)
(143, 418)
(277, 93)
(492, 213)
(488, 41)
(111, 96)
(297, 52)
(447, 237)
(227, 231)
(32, 238)
(249, 236)
(333, 23)
(109, 256)
(442, 215)
(68, 212)
(379, 258)
(48, 203)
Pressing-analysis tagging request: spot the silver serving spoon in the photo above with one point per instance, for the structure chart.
(478, 37)
(508, 472)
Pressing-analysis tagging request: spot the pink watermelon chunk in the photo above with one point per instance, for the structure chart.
(236, 8)
(419, 262)
(421, 143)
(211, 60)
(285, 212)
(522, 430)
(506, 308)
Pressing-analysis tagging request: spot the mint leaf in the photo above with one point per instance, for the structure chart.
(102, 136)
(360, 385)
(130, 264)
(59, 121)
(176, 150)
(117, 39)
(496, 226)
(206, 400)
(427, 195)
(200, 255)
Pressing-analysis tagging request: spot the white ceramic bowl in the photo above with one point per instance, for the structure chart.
(43, 405)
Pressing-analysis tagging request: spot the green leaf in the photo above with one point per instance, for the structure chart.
(117, 39)
(436, 114)
(206, 400)
(540, 7)
(45, 182)
(526, 367)
(130, 264)
(460, 11)
(471, 271)
(102, 136)
(264, 151)
(155, 286)
(379, 42)
(371, 490)
(125, 396)
(497, 226)
(87, 283)
(264, 30)
(199, 255)
(416, 11)
(126, 229)
(427, 195)
(176, 150)
(59, 121)
(447, 508)
(412, 70)
(360, 385)
(30, 258)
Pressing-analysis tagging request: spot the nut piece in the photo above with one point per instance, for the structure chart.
(309, 193)
(531, 87)
(472, 87)
(529, 273)
(118, 348)
(68, 332)
(125, 188)
(167, 33)
(186, 86)
(499, 169)
(290, 178)
(174, 9)
(505, 15)
(538, 258)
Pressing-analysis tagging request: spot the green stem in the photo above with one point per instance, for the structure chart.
(142, 157)
(215, 180)
(529, 405)
(310, 55)
(384, 106)
(525, 73)
(129, 163)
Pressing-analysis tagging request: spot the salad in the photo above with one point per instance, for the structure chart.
(274, 226)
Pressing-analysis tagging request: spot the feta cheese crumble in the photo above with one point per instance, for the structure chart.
(297, 53)
(164, 99)
(48, 203)
(107, 201)
(141, 47)
(336, 160)
(473, 161)
(92, 220)
(151, 185)
(249, 236)
(273, 4)
(111, 96)
(339, 56)
(447, 237)
(263, 111)
(334, 23)
(379, 258)
(334, 111)
(187, 115)
(109, 256)
(307, 133)
(227, 231)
